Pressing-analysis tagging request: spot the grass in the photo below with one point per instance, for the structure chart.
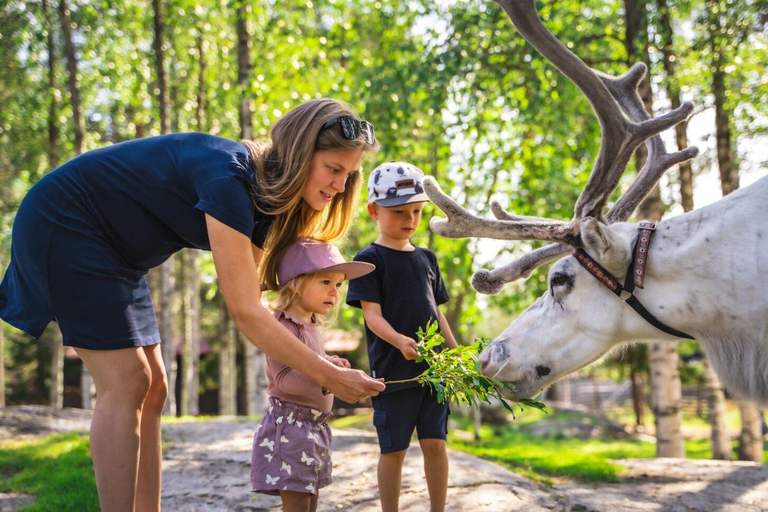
(56, 469)
(544, 459)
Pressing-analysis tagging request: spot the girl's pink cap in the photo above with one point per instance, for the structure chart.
(309, 256)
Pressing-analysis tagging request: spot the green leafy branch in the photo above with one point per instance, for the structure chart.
(455, 374)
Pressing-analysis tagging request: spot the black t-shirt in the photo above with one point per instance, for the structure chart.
(409, 288)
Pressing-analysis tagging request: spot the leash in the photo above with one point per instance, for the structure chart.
(635, 278)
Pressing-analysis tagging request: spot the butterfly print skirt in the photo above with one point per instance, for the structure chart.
(291, 450)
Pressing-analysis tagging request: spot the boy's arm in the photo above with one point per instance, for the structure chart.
(450, 341)
(376, 322)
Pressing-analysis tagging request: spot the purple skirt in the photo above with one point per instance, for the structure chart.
(291, 450)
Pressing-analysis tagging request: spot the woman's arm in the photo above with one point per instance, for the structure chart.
(236, 262)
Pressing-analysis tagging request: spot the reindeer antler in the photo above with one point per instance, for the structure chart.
(620, 138)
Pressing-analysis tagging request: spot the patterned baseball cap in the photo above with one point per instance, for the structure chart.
(395, 184)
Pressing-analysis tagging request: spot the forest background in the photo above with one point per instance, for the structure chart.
(449, 85)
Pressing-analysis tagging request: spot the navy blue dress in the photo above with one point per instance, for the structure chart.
(87, 233)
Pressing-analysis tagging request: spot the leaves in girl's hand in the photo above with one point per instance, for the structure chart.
(456, 376)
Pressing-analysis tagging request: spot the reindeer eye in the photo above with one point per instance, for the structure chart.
(560, 279)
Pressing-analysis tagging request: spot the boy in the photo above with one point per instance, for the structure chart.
(399, 297)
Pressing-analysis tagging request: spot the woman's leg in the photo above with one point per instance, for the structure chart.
(122, 378)
(150, 452)
(296, 501)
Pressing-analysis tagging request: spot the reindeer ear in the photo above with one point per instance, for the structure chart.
(604, 243)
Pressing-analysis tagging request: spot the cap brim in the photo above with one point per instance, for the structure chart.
(352, 269)
(401, 200)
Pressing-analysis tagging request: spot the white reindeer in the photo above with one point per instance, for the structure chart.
(706, 272)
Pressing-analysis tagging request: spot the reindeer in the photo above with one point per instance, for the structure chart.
(702, 275)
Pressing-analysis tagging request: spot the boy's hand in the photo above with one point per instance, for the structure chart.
(408, 347)
(339, 361)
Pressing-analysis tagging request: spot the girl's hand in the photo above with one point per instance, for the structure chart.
(339, 361)
(352, 385)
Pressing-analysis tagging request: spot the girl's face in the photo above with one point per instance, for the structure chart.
(328, 175)
(321, 293)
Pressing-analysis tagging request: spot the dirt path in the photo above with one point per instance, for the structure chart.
(206, 468)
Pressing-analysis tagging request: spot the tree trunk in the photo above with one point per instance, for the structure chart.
(227, 371)
(751, 437)
(2, 366)
(244, 71)
(193, 321)
(164, 275)
(74, 86)
(673, 93)
(665, 399)
(721, 443)
(86, 382)
(250, 384)
(201, 96)
(715, 397)
(162, 88)
(56, 391)
(190, 360)
(56, 398)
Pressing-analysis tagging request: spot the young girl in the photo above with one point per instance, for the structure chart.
(292, 446)
(87, 233)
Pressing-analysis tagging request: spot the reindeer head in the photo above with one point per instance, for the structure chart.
(574, 323)
(563, 330)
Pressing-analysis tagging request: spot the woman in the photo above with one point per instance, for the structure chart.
(87, 233)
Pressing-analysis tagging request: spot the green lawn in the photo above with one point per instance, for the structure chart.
(542, 458)
(56, 469)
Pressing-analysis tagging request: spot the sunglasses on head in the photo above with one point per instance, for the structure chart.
(351, 128)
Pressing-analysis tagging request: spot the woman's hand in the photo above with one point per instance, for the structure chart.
(339, 361)
(352, 385)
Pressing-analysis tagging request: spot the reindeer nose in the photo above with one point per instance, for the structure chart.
(542, 371)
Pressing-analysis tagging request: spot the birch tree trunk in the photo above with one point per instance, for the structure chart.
(721, 442)
(227, 357)
(189, 287)
(244, 70)
(751, 437)
(165, 270)
(87, 389)
(663, 358)
(721, 448)
(2, 366)
(56, 391)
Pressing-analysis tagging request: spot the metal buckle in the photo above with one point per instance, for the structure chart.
(625, 299)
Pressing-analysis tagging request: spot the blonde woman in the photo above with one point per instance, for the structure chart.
(87, 233)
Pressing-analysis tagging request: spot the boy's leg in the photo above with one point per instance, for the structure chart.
(432, 427)
(296, 501)
(436, 472)
(394, 416)
(390, 475)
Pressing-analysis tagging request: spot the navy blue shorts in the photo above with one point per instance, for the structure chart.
(64, 269)
(397, 414)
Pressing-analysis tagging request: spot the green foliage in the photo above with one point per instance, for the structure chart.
(455, 374)
(57, 470)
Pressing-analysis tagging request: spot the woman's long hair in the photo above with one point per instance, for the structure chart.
(281, 169)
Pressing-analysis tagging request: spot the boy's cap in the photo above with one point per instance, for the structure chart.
(395, 184)
(309, 256)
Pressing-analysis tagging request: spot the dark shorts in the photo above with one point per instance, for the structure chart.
(396, 415)
(64, 269)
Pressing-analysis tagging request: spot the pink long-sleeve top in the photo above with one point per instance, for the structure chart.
(289, 385)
